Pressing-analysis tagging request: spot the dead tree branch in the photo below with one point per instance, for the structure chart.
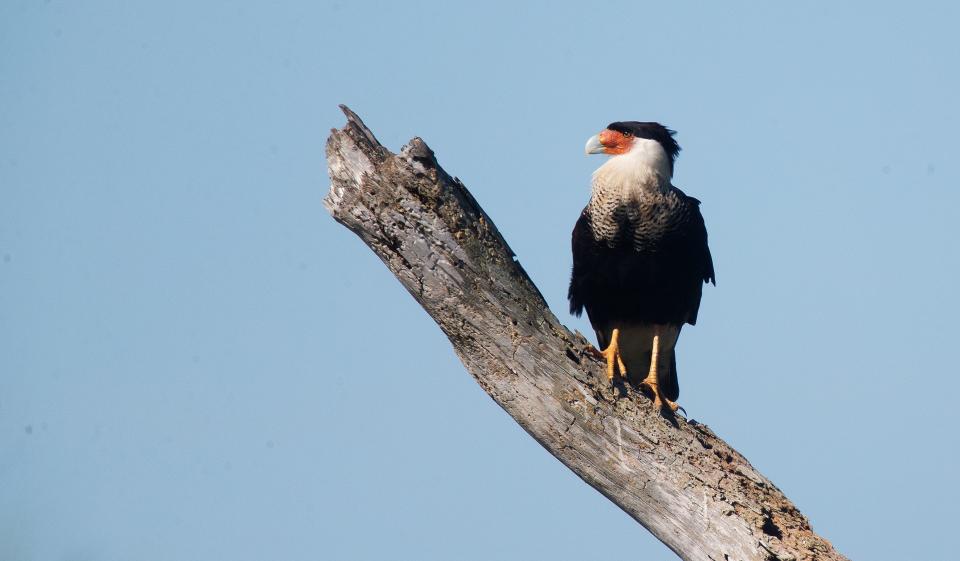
(694, 492)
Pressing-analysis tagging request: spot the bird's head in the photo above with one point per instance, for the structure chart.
(649, 144)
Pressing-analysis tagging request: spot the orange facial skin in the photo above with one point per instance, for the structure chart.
(615, 142)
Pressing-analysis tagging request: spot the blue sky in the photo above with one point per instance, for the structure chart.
(196, 362)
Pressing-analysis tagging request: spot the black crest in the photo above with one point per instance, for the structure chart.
(653, 131)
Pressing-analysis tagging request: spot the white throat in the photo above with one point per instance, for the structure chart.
(645, 168)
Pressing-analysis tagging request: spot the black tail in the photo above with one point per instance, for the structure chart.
(669, 384)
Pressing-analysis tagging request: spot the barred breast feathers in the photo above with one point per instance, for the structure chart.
(632, 196)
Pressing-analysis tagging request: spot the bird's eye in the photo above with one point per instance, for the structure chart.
(628, 134)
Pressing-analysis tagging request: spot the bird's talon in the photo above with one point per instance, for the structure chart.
(594, 352)
(660, 403)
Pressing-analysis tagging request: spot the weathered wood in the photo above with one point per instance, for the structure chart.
(694, 492)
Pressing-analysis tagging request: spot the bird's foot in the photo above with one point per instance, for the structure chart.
(612, 356)
(659, 401)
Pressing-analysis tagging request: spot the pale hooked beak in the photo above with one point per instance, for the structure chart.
(594, 146)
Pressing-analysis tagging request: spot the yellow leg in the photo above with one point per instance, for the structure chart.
(651, 380)
(612, 356)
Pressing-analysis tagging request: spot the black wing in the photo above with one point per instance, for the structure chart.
(697, 251)
(584, 260)
(698, 230)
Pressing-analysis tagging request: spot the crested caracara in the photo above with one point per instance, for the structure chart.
(640, 257)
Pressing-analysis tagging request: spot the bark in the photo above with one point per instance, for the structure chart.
(694, 492)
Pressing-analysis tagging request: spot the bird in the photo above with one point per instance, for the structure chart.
(640, 257)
